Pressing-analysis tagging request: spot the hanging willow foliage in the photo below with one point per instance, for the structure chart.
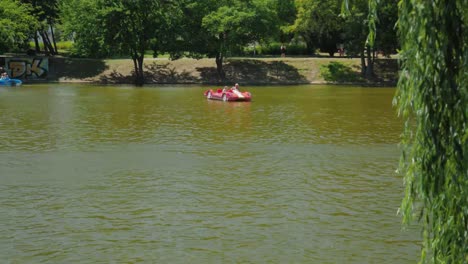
(372, 18)
(432, 98)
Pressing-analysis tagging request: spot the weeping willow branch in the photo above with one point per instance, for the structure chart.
(345, 8)
(372, 18)
(432, 99)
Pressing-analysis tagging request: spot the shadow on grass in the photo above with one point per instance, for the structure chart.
(247, 71)
(154, 73)
(75, 68)
(387, 71)
(253, 72)
(336, 72)
(164, 73)
(116, 77)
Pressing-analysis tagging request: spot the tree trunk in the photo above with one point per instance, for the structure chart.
(363, 64)
(44, 42)
(53, 38)
(219, 67)
(370, 64)
(36, 42)
(310, 48)
(47, 46)
(141, 76)
(139, 73)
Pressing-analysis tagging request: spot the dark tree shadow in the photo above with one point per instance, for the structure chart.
(75, 68)
(254, 72)
(163, 73)
(208, 75)
(386, 71)
(116, 77)
(336, 72)
(154, 73)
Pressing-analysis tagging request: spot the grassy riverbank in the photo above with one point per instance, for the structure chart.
(253, 71)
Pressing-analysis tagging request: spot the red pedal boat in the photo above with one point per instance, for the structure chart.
(228, 95)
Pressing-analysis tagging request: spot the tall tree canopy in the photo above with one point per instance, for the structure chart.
(370, 26)
(81, 22)
(135, 26)
(46, 13)
(238, 24)
(432, 96)
(218, 28)
(319, 24)
(17, 25)
(286, 12)
(107, 27)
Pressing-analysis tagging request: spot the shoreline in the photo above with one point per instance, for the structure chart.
(246, 71)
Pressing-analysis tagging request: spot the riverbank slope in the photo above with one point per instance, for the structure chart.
(254, 71)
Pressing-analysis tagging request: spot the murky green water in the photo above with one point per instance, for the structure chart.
(303, 174)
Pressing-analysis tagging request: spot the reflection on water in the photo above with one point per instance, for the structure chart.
(302, 174)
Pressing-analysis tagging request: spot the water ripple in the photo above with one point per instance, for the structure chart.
(108, 174)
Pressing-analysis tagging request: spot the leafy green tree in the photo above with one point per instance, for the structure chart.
(219, 28)
(432, 97)
(286, 12)
(356, 35)
(132, 27)
(370, 27)
(17, 25)
(46, 13)
(188, 37)
(81, 22)
(319, 24)
(109, 27)
(387, 40)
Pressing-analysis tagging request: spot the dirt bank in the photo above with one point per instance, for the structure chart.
(244, 70)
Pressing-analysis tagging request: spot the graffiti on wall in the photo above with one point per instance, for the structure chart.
(27, 68)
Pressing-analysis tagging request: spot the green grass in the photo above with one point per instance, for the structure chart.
(337, 72)
(61, 45)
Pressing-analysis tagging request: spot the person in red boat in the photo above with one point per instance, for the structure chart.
(235, 87)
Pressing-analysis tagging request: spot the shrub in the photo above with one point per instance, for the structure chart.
(274, 49)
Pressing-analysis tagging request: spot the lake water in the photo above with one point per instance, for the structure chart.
(117, 174)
